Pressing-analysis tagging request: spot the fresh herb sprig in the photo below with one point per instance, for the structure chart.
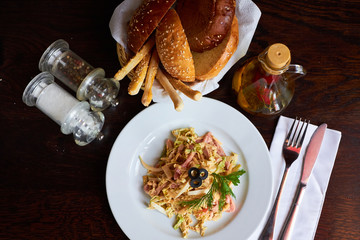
(220, 184)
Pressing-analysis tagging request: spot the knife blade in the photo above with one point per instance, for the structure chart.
(311, 154)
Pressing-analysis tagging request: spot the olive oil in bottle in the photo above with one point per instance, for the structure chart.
(265, 84)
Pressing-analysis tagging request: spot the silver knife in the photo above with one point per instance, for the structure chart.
(311, 154)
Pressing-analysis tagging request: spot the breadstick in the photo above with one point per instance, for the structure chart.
(139, 76)
(149, 80)
(135, 59)
(123, 58)
(178, 103)
(185, 89)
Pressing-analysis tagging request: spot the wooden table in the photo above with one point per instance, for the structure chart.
(53, 189)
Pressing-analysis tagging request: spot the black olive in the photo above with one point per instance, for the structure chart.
(194, 172)
(197, 175)
(196, 182)
(203, 174)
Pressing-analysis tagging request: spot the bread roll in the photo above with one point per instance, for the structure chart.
(206, 22)
(173, 48)
(144, 21)
(209, 63)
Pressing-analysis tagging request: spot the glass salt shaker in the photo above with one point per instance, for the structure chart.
(72, 115)
(88, 82)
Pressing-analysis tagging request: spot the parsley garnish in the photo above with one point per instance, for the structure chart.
(220, 184)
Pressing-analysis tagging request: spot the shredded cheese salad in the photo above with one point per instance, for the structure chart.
(168, 182)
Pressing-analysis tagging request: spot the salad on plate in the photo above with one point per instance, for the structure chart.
(192, 180)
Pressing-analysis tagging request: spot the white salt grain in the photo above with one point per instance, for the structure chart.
(55, 102)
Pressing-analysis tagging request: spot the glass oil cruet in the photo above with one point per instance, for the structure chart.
(265, 84)
(88, 82)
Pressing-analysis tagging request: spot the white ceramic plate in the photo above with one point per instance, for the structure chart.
(145, 136)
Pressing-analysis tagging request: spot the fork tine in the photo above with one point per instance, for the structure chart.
(289, 133)
(296, 143)
(299, 144)
(292, 142)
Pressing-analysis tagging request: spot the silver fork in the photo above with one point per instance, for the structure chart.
(291, 149)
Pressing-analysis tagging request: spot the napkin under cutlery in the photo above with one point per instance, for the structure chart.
(314, 196)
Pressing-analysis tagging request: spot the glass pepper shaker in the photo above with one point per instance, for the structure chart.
(88, 82)
(72, 115)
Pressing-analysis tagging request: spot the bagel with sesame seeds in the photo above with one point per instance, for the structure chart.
(206, 22)
(173, 48)
(144, 21)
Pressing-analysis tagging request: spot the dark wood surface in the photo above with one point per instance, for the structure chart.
(52, 189)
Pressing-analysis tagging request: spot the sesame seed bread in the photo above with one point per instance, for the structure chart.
(144, 21)
(206, 22)
(209, 63)
(173, 48)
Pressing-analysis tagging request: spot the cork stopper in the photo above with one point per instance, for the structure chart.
(278, 56)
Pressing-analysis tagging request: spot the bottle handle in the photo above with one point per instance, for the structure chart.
(295, 71)
(296, 68)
